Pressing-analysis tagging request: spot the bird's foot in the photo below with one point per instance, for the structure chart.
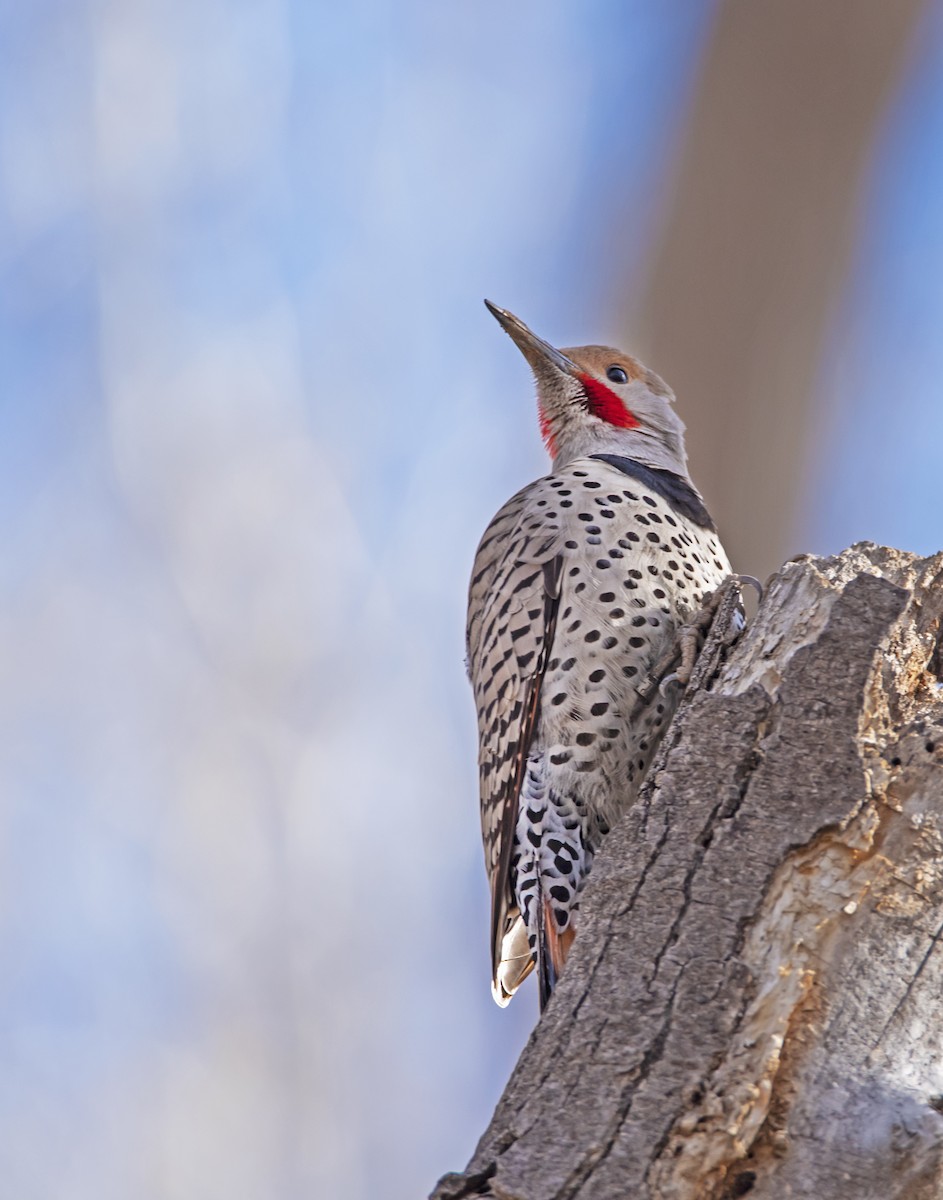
(682, 655)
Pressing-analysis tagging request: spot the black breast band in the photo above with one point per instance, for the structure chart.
(671, 487)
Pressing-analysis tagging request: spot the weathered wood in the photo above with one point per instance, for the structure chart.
(753, 1003)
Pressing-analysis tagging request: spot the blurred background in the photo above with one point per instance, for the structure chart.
(253, 420)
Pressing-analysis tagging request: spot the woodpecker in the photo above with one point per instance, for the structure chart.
(580, 585)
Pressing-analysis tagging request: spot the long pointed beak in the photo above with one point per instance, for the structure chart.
(539, 354)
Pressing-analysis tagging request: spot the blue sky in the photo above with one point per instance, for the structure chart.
(254, 417)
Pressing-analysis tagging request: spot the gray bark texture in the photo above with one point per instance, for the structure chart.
(753, 1003)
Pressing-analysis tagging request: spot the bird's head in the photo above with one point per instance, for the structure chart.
(596, 400)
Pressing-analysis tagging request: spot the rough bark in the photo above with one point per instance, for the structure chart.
(752, 1005)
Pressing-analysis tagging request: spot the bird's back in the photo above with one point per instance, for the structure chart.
(579, 584)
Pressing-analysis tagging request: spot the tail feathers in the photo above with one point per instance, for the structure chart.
(515, 962)
(552, 950)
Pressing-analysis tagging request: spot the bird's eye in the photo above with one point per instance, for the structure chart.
(616, 375)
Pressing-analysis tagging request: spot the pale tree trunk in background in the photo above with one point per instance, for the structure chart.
(752, 1005)
(757, 241)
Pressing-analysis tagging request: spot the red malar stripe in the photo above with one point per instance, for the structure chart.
(546, 432)
(606, 404)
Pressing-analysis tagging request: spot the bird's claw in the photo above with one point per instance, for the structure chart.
(690, 637)
(674, 677)
(750, 581)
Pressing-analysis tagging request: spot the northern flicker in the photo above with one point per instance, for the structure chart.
(581, 582)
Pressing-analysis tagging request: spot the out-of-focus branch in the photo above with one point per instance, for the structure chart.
(757, 242)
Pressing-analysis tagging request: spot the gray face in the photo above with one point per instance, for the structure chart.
(595, 399)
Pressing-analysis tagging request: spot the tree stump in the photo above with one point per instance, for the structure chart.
(753, 1003)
